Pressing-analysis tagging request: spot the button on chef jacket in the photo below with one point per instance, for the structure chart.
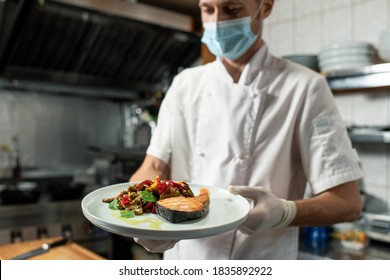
(278, 127)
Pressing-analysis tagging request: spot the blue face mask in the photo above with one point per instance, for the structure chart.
(229, 39)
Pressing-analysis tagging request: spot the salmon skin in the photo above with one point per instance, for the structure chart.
(182, 209)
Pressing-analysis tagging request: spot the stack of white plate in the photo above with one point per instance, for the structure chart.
(310, 61)
(347, 55)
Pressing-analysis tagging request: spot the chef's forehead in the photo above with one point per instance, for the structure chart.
(227, 1)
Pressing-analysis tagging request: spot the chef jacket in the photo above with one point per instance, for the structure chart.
(278, 127)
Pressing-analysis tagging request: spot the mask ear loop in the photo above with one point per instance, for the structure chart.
(256, 14)
(258, 10)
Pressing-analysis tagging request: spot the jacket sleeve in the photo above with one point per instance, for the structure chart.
(326, 149)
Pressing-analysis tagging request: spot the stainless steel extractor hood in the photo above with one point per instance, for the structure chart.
(93, 45)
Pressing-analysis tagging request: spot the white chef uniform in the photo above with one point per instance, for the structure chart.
(278, 127)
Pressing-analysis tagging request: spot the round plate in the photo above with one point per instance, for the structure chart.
(347, 52)
(344, 66)
(348, 45)
(226, 212)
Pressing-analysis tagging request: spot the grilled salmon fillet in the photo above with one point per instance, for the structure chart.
(181, 209)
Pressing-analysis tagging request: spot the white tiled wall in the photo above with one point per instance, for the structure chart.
(307, 26)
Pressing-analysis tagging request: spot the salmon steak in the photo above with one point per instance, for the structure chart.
(182, 209)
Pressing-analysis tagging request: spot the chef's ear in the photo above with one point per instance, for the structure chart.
(267, 8)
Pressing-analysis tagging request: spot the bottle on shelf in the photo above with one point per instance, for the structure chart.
(16, 165)
(5, 161)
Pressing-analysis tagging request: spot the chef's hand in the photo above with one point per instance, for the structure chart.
(156, 246)
(268, 210)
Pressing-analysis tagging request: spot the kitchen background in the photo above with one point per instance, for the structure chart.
(307, 27)
(70, 139)
(80, 87)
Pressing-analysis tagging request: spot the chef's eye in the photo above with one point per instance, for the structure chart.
(207, 10)
(232, 10)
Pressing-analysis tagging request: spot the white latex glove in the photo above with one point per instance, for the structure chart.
(156, 246)
(268, 210)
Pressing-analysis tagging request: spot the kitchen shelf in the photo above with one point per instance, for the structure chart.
(369, 78)
(370, 137)
(373, 77)
(70, 90)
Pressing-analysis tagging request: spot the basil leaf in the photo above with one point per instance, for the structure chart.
(113, 204)
(147, 196)
(127, 213)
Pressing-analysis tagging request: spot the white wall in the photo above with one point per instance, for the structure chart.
(305, 27)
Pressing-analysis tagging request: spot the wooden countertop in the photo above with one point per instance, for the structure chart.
(70, 251)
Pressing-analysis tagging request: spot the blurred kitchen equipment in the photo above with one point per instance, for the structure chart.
(21, 193)
(63, 191)
(113, 48)
(111, 165)
(378, 226)
(15, 156)
(316, 239)
(5, 162)
(46, 218)
(384, 46)
(347, 55)
(310, 61)
(138, 125)
(102, 166)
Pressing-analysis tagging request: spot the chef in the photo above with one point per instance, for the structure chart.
(259, 126)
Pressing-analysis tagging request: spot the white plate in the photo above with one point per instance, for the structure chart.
(346, 59)
(344, 66)
(227, 211)
(358, 63)
(347, 52)
(349, 45)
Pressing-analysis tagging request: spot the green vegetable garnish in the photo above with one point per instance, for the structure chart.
(147, 196)
(127, 213)
(113, 204)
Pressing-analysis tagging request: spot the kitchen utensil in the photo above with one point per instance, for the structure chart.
(41, 250)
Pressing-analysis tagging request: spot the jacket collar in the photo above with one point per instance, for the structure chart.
(251, 69)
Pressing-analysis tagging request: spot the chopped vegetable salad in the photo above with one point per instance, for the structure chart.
(141, 198)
